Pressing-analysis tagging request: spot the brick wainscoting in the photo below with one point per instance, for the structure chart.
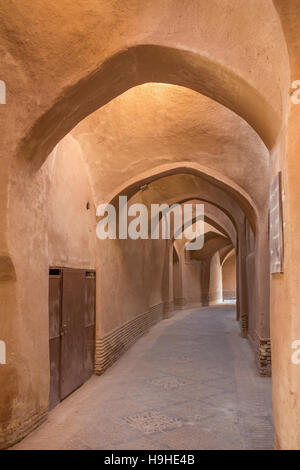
(112, 345)
(262, 349)
(244, 324)
(264, 361)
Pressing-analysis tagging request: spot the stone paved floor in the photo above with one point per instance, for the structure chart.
(190, 383)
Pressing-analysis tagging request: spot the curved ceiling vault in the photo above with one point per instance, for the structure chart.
(178, 188)
(154, 131)
(180, 42)
(155, 125)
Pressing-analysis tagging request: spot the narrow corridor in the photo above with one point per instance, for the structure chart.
(190, 383)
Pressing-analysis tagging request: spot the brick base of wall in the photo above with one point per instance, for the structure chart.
(262, 350)
(111, 346)
(15, 433)
(179, 303)
(244, 325)
(263, 359)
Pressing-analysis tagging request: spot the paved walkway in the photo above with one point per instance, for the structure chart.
(190, 383)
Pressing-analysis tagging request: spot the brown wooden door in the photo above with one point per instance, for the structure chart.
(54, 335)
(71, 330)
(72, 339)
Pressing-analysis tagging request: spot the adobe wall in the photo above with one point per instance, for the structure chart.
(57, 230)
(70, 209)
(285, 295)
(192, 282)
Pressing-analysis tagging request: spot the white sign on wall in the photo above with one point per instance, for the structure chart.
(2, 352)
(2, 92)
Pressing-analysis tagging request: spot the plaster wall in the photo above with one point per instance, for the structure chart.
(285, 296)
(71, 209)
(178, 289)
(192, 282)
(130, 282)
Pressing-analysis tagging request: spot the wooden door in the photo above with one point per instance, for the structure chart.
(71, 330)
(89, 323)
(72, 335)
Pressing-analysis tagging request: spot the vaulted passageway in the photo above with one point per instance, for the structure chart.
(190, 383)
(137, 281)
(164, 103)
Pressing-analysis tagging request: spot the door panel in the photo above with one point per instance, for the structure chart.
(72, 339)
(72, 301)
(54, 337)
(89, 324)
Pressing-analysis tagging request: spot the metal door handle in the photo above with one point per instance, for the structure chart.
(64, 330)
